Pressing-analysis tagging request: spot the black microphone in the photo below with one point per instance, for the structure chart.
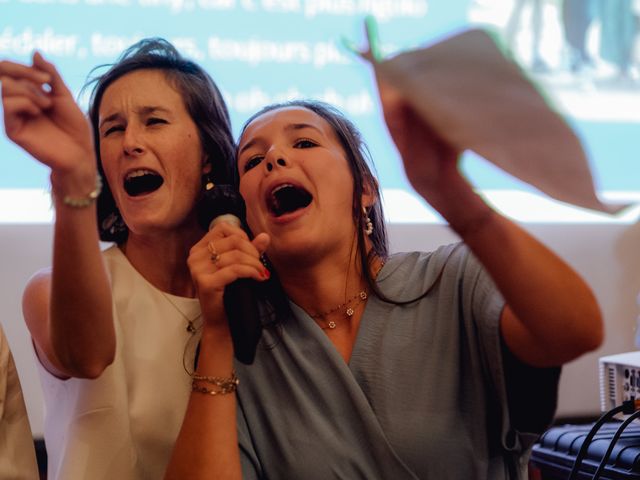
(224, 204)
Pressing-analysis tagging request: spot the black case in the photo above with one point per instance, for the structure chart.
(555, 452)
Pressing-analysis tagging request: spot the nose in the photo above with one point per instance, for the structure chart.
(131, 143)
(280, 162)
(274, 159)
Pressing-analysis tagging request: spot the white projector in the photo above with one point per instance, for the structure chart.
(619, 379)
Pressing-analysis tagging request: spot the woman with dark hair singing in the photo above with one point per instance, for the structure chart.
(399, 366)
(114, 330)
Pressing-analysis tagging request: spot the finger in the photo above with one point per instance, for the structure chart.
(221, 253)
(261, 242)
(18, 107)
(225, 252)
(210, 278)
(227, 237)
(225, 229)
(24, 88)
(58, 87)
(224, 276)
(18, 71)
(238, 257)
(236, 243)
(215, 234)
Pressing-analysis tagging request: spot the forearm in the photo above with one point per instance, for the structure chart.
(81, 328)
(207, 446)
(555, 314)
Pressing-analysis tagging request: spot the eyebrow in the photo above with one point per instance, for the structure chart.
(147, 110)
(290, 127)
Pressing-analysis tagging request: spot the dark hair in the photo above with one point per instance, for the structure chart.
(359, 161)
(202, 100)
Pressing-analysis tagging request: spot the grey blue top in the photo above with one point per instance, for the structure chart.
(423, 395)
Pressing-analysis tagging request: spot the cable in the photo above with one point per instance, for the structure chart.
(612, 443)
(596, 426)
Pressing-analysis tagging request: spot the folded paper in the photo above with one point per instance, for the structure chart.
(478, 99)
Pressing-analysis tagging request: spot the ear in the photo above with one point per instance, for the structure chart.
(204, 160)
(369, 189)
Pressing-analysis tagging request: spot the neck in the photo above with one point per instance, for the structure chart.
(162, 259)
(324, 285)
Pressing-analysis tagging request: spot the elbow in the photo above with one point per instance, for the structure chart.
(592, 331)
(596, 338)
(587, 336)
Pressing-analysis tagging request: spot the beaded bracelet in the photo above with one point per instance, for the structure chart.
(225, 385)
(84, 201)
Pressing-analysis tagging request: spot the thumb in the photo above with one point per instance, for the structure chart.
(261, 242)
(57, 84)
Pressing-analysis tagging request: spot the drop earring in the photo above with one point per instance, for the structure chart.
(207, 181)
(367, 221)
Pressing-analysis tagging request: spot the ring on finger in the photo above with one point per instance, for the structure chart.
(215, 256)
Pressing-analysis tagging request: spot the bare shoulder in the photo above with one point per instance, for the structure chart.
(35, 309)
(36, 293)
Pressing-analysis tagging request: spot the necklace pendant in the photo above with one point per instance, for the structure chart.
(332, 324)
(191, 328)
(349, 312)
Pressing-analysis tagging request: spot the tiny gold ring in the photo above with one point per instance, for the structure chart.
(215, 256)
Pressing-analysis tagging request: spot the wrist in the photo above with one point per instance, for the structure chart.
(464, 209)
(218, 337)
(474, 223)
(77, 189)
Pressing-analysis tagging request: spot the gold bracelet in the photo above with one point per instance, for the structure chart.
(84, 201)
(225, 385)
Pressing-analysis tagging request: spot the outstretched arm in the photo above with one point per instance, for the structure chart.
(551, 316)
(67, 308)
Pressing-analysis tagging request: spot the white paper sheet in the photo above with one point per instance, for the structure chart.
(477, 99)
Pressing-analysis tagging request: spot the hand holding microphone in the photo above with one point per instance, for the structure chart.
(224, 204)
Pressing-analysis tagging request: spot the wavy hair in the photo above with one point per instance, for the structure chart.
(203, 102)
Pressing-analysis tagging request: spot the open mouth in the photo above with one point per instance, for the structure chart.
(287, 198)
(140, 182)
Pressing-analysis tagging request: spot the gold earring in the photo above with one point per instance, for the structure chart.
(367, 221)
(206, 172)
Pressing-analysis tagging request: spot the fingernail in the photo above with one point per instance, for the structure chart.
(266, 274)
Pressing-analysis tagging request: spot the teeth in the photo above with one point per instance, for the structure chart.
(280, 187)
(139, 173)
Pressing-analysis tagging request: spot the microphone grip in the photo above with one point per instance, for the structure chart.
(243, 315)
(241, 307)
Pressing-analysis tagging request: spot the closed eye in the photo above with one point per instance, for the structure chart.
(155, 121)
(304, 143)
(252, 162)
(113, 128)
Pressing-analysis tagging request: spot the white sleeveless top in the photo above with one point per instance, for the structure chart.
(17, 456)
(123, 424)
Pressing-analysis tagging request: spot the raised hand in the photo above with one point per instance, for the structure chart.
(430, 163)
(41, 116)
